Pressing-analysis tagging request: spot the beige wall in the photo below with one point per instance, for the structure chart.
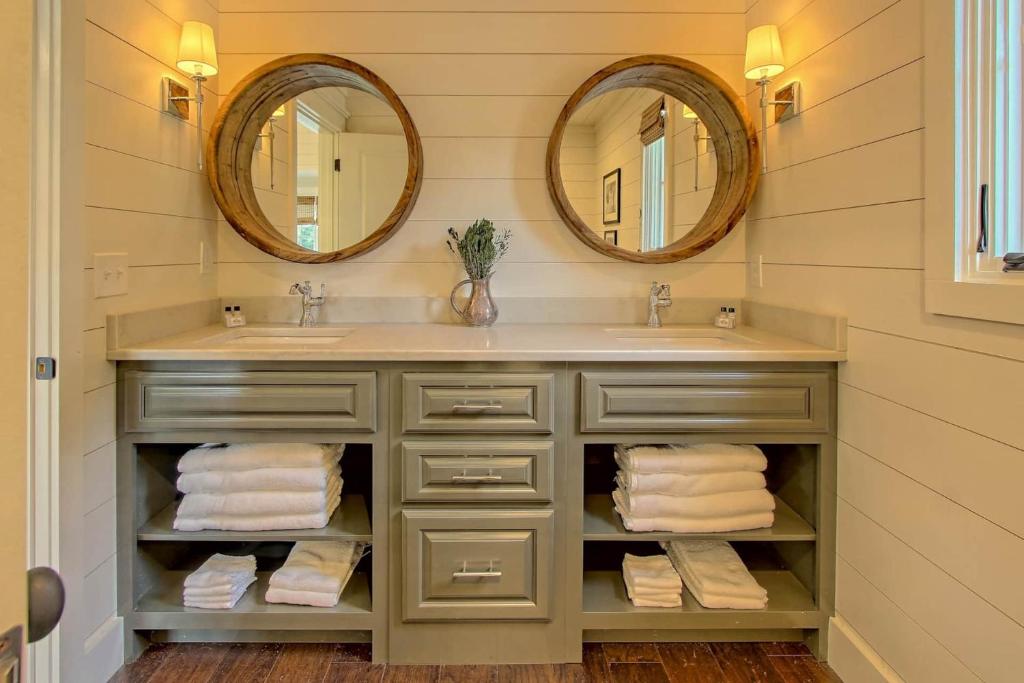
(15, 121)
(143, 196)
(931, 453)
(484, 83)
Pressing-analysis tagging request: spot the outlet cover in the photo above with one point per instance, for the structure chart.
(110, 275)
(755, 275)
(205, 257)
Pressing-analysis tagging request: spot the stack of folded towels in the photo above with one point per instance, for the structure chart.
(315, 573)
(715, 574)
(652, 581)
(220, 582)
(701, 488)
(258, 487)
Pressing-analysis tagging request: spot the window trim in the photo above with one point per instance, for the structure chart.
(998, 299)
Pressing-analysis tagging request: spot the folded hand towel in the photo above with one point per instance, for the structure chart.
(311, 598)
(258, 502)
(693, 459)
(219, 569)
(321, 566)
(684, 525)
(216, 602)
(662, 600)
(216, 589)
(316, 520)
(651, 581)
(250, 456)
(698, 507)
(689, 484)
(268, 479)
(715, 574)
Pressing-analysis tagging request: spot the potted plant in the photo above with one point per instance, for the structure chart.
(479, 249)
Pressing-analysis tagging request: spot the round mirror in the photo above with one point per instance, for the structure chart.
(314, 159)
(653, 159)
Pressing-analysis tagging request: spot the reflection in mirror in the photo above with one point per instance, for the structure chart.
(638, 167)
(340, 164)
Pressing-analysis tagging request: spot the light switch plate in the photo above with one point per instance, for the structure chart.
(755, 276)
(205, 257)
(110, 275)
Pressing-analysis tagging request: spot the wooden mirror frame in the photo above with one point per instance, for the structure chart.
(242, 117)
(723, 113)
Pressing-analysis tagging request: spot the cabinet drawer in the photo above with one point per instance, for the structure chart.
(704, 401)
(477, 564)
(477, 471)
(478, 402)
(156, 401)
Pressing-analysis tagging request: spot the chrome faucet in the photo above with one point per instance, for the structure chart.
(660, 297)
(310, 304)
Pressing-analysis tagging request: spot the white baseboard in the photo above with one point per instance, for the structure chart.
(104, 652)
(853, 659)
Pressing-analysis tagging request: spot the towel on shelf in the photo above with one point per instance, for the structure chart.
(698, 507)
(715, 574)
(673, 484)
(258, 502)
(313, 520)
(220, 582)
(315, 573)
(691, 459)
(251, 456)
(694, 525)
(651, 581)
(265, 479)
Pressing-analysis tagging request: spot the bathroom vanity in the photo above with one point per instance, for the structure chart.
(479, 465)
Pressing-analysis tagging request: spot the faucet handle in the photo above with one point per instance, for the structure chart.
(666, 289)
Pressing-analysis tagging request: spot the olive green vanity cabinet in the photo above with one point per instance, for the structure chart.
(484, 490)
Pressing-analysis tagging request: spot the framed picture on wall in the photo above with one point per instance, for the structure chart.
(611, 209)
(611, 236)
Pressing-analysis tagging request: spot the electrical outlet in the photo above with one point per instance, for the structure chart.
(110, 275)
(755, 274)
(205, 257)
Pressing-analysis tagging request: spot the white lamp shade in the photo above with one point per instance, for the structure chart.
(197, 53)
(689, 113)
(279, 113)
(764, 53)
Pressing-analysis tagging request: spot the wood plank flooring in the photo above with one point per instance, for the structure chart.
(607, 663)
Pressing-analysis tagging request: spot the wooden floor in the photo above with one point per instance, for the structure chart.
(608, 663)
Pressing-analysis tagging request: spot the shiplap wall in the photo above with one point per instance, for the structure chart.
(145, 197)
(484, 82)
(931, 453)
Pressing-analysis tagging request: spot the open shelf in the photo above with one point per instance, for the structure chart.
(602, 523)
(350, 522)
(161, 608)
(606, 606)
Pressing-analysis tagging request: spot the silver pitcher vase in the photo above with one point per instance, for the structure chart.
(480, 310)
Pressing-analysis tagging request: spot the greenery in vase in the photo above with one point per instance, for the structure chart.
(480, 248)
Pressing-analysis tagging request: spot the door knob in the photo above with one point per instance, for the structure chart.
(45, 602)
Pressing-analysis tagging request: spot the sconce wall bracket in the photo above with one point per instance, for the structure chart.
(176, 98)
(787, 102)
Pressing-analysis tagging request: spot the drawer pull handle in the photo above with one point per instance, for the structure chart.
(477, 408)
(475, 478)
(464, 573)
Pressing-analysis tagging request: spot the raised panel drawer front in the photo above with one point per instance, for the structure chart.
(477, 564)
(704, 401)
(478, 402)
(477, 471)
(156, 401)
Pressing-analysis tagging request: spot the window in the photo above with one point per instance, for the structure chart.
(974, 165)
(653, 207)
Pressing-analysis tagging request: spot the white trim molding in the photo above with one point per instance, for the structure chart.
(950, 288)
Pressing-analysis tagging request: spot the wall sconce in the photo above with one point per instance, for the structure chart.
(269, 135)
(197, 55)
(691, 115)
(764, 61)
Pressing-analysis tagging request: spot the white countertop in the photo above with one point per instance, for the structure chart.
(503, 342)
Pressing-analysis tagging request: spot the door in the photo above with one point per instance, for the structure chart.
(373, 170)
(16, 31)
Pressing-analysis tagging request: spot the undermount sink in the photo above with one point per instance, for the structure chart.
(676, 336)
(282, 336)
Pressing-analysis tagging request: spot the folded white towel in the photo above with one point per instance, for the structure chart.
(258, 502)
(651, 581)
(215, 590)
(219, 569)
(315, 520)
(268, 479)
(251, 456)
(310, 598)
(691, 459)
(699, 507)
(227, 601)
(689, 484)
(693, 525)
(321, 566)
(715, 574)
